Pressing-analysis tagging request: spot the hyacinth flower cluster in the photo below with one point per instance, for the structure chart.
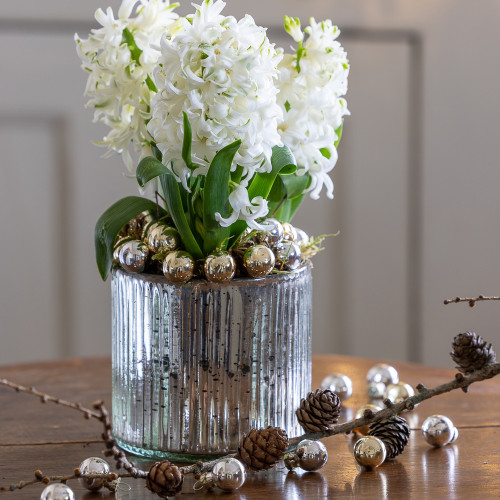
(227, 128)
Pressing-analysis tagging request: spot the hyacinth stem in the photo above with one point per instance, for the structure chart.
(100, 413)
(471, 300)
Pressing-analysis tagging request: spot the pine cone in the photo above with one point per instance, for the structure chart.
(260, 449)
(471, 352)
(394, 432)
(164, 479)
(319, 410)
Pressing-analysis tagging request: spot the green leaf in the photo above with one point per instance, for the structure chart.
(148, 169)
(109, 225)
(135, 51)
(295, 184)
(216, 197)
(338, 132)
(174, 202)
(186, 143)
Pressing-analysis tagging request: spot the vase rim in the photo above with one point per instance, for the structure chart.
(158, 278)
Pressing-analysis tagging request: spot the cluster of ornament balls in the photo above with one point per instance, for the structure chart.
(261, 449)
(154, 246)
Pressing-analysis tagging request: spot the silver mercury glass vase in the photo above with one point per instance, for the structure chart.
(197, 365)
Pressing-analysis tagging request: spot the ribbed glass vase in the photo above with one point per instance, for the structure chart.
(197, 365)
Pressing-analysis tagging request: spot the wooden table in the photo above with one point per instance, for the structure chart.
(56, 439)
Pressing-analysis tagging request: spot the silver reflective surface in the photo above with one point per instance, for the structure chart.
(197, 365)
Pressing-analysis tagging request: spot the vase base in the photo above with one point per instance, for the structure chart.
(177, 457)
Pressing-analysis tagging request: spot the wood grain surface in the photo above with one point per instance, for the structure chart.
(56, 439)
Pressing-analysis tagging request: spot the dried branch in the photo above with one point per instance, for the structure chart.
(471, 300)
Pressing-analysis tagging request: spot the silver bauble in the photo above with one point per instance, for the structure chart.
(159, 236)
(369, 451)
(384, 373)
(289, 232)
(133, 255)
(338, 383)
(365, 429)
(376, 390)
(302, 237)
(57, 491)
(312, 454)
(117, 248)
(229, 474)
(178, 266)
(398, 392)
(258, 261)
(93, 465)
(219, 267)
(273, 235)
(438, 430)
(288, 255)
(454, 436)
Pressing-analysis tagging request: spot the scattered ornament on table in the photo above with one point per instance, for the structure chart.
(206, 482)
(159, 237)
(229, 474)
(258, 261)
(384, 373)
(133, 255)
(371, 408)
(260, 449)
(394, 432)
(93, 465)
(165, 479)
(219, 267)
(57, 491)
(288, 255)
(289, 232)
(338, 383)
(178, 266)
(302, 237)
(471, 352)
(398, 392)
(273, 235)
(439, 430)
(376, 390)
(369, 451)
(309, 455)
(319, 411)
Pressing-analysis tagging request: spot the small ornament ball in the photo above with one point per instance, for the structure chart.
(302, 237)
(338, 383)
(57, 491)
(288, 255)
(259, 261)
(93, 465)
(229, 474)
(361, 413)
(274, 233)
(178, 267)
(384, 373)
(289, 232)
(219, 267)
(369, 451)
(162, 237)
(455, 435)
(439, 430)
(133, 255)
(312, 455)
(376, 390)
(398, 392)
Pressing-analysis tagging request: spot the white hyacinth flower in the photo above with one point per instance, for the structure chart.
(243, 209)
(292, 27)
(119, 83)
(312, 83)
(223, 74)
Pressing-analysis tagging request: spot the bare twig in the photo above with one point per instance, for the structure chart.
(471, 300)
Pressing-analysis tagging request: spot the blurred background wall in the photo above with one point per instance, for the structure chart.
(416, 186)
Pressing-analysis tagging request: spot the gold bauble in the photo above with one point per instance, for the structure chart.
(219, 267)
(133, 255)
(273, 234)
(360, 413)
(178, 266)
(258, 261)
(398, 392)
(369, 451)
(289, 232)
(159, 236)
